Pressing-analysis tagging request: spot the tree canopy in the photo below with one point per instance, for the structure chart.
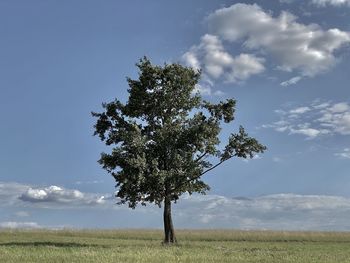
(165, 137)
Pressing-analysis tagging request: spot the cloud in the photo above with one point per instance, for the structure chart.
(293, 46)
(300, 110)
(309, 132)
(276, 159)
(319, 106)
(276, 212)
(255, 157)
(16, 194)
(29, 225)
(345, 154)
(263, 39)
(286, 1)
(339, 107)
(58, 195)
(324, 3)
(89, 182)
(22, 214)
(336, 118)
(211, 56)
(291, 81)
(314, 120)
(205, 88)
(26, 225)
(10, 192)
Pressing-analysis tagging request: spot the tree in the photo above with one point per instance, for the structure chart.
(165, 137)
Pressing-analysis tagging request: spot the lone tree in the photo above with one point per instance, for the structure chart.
(165, 137)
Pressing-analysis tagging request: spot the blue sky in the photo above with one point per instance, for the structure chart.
(286, 62)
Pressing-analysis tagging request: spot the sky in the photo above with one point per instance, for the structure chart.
(286, 62)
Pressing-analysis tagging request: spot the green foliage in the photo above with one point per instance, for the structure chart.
(165, 136)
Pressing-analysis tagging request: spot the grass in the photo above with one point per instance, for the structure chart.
(194, 246)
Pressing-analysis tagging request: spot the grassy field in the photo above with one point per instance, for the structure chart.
(194, 246)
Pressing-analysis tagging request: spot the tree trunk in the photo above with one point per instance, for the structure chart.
(169, 234)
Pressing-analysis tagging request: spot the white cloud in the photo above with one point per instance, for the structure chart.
(219, 93)
(319, 106)
(26, 225)
(291, 81)
(15, 194)
(276, 159)
(206, 89)
(345, 154)
(29, 225)
(10, 192)
(339, 107)
(277, 212)
(22, 214)
(300, 110)
(244, 66)
(89, 182)
(315, 120)
(280, 41)
(191, 59)
(331, 2)
(280, 211)
(57, 195)
(336, 118)
(309, 132)
(255, 157)
(211, 56)
(308, 49)
(323, 3)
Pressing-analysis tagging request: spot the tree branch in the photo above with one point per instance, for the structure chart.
(200, 157)
(211, 168)
(198, 176)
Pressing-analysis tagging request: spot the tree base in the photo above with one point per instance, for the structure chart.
(169, 243)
